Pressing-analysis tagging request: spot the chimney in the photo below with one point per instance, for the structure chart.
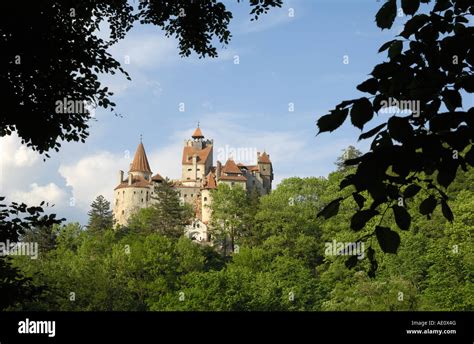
(120, 177)
(129, 179)
(218, 169)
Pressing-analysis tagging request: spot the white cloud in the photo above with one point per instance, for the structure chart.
(37, 193)
(13, 153)
(93, 175)
(15, 158)
(144, 51)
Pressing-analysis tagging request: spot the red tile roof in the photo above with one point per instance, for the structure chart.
(231, 167)
(264, 158)
(158, 177)
(210, 181)
(140, 161)
(233, 178)
(197, 134)
(137, 182)
(202, 154)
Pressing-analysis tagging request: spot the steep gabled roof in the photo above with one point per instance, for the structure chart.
(137, 182)
(264, 158)
(140, 161)
(231, 168)
(202, 154)
(157, 177)
(210, 181)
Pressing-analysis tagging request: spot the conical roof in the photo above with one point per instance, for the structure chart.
(231, 167)
(140, 161)
(197, 134)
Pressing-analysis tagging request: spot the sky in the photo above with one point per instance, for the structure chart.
(265, 91)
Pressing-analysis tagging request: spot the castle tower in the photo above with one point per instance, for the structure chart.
(135, 191)
(140, 166)
(266, 170)
(197, 159)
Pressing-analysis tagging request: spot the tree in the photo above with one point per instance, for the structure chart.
(229, 210)
(423, 144)
(349, 153)
(14, 220)
(100, 215)
(44, 236)
(53, 56)
(166, 216)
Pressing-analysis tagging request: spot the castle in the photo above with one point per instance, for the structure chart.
(198, 178)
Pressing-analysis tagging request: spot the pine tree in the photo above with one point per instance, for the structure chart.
(349, 153)
(166, 216)
(100, 215)
(170, 217)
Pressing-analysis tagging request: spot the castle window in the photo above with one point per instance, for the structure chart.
(185, 195)
(123, 212)
(205, 199)
(134, 192)
(188, 178)
(190, 169)
(142, 200)
(192, 195)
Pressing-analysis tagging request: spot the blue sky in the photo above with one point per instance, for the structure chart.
(282, 60)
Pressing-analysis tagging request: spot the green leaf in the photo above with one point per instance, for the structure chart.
(395, 49)
(359, 199)
(359, 219)
(428, 205)
(331, 209)
(351, 262)
(372, 132)
(469, 157)
(467, 83)
(442, 5)
(389, 240)
(332, 121)
(447, 172)
(386, 15)
(446, 210)
(361, 112)
(384, 70)
(414, 24)
(400, 129)
(370, 85)
(452, 99)
(386, 45)
(410, 6)
(411, 191)
(402, 217)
